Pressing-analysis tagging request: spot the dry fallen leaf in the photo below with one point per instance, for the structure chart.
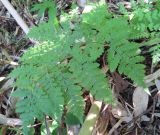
(140, 101)
(2, 78)
(145, 118)
(157, 82)
(8, 84)
(119, 112)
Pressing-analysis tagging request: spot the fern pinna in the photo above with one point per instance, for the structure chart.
(53, 75)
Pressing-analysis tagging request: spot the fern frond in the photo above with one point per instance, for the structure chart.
(49, 88)
(88, 75)
(26, 108)
(46, 5)
(128, 61)
(123, 54)
(43, 32)
(148, 23)
(75, 99)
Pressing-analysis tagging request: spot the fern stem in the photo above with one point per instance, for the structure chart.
(91, 119)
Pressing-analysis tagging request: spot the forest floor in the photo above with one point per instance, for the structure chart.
(136, 112)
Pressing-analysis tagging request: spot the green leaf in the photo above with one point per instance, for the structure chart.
(71, 119)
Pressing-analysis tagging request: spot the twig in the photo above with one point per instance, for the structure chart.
(15, 15)
(40, 123)
(8, 62)
(47, 127)
(152, 77)
(136, 118)
(115, 127)
(153, 110)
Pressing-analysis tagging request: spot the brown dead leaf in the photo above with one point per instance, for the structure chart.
(140, 101)
(119, 82)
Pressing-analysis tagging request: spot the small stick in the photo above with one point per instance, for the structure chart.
(47, 127)
(15, 15)
(152, 76)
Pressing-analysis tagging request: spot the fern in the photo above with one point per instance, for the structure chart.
(53, 75)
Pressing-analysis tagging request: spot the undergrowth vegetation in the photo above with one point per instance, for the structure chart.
(54, 74)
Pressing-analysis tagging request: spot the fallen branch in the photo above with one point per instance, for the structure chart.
(15, 15)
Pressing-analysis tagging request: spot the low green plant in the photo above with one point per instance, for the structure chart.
(54, 74)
